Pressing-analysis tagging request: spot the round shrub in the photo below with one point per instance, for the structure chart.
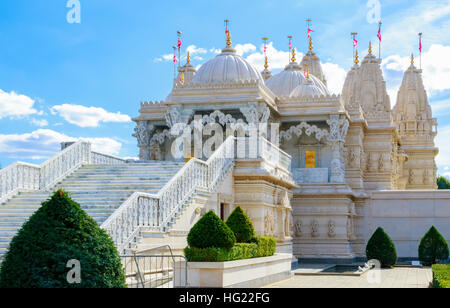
(380, 247)
(433, 248)
(241, 225)
(211, 231)
(60, 231)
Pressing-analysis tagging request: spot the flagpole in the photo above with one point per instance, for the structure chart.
(420, 48)
(354, 34)
(290, 48)
(379, 40)
(179, 47)
(174, 62)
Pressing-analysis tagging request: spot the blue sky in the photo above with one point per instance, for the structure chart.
(60, 80)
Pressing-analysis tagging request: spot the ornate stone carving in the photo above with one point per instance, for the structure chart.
(309, 130)
(331, 229)
(338, 129)
(142, 133)
(269, 224)
(173, 116)
(299, 228)
(337, 168)
(256, 113)
(315, 228)
(288, 224)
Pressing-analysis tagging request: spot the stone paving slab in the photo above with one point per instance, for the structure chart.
(399, 277)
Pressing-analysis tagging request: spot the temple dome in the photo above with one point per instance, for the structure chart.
(309, 88)
(227, 67)
(284, 83)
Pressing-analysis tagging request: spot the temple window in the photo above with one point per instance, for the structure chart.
(310, 159)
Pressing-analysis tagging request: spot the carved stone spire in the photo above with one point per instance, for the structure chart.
(417, 130)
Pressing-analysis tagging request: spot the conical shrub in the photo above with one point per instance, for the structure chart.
(433, 248)
(211, 231)
(241, 225)
(60, 231)
(381, 247)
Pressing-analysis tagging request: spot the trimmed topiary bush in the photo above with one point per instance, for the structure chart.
(433, 248)
(380, 247)
(211, 231)
(267, 246)
(241, 225)
(58, 232)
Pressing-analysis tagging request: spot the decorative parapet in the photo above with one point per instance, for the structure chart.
(21, 176)
(316, 99)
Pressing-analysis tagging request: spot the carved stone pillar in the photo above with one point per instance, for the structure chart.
(142, 133)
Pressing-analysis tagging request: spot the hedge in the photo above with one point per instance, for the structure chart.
(263, 247)
(433, 247)
(211, 231)
(381, 247)
(441, 276)
(58, 232)
(241, 225)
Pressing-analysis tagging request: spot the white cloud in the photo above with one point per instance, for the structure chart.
(435, 65)
(88, 116)
(193, 50)
(242, 49)
(45, 143)
(443, 159)
(278, 59)
(40, 123)
(430, 17)
(15, 105)
(335, 76)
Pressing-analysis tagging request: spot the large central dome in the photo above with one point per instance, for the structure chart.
(227, 67)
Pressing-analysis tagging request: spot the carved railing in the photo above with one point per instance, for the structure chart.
(21, 176)
(16, 177)
(274, 154)
(157, 211)
(103, 159)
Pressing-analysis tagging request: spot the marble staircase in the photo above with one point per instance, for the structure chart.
(99, 189)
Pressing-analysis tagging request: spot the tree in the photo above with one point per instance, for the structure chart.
(433, 248)
(57, 237)
(211, 231)
(241, 225)
(380, 247)
(443, 183)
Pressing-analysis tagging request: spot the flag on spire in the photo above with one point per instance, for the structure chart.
(175, 60)
(379, 32)
(179, 44)
(309, 31)
(420, 42)
(355, 42)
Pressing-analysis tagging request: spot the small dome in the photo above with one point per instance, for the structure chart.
(282, 84)
(308, 89)
(227, 67)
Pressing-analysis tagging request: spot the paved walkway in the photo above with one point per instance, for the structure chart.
(399, 277)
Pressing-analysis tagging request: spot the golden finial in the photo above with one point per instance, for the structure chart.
(307, 73)
(227, 32)
(357, 58)
(293, 55)
(311, 47)
(412, 59)
(266, 64)
(188, 58)
(370, 47)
